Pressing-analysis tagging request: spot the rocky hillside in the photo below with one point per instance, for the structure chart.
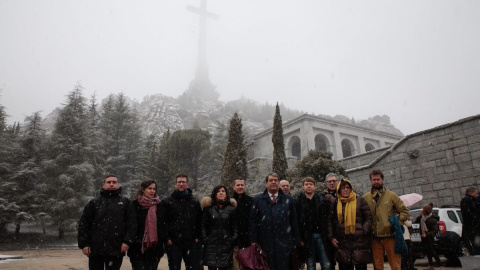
(158, 112)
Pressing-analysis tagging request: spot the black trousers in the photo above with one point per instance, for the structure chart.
(429, 250)
(104, 262)
(344, 266)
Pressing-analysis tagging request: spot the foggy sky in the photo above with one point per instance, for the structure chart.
(416, 61)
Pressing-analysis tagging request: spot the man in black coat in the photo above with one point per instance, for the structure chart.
(471, 220)
(183, 217)
(273, 224)
(244, 203)
(312, 209)
(107, 227)
(330, 194)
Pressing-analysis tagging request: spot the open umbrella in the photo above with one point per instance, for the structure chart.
(411, 199)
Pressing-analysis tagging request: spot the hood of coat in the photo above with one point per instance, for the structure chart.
(207, 202)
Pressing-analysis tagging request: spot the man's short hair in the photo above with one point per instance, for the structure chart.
(238, 178)
(272, 174)
(376, 172)
(471, 190)
(330, 175)
(109, 175)
(181, 176)
(308, 179)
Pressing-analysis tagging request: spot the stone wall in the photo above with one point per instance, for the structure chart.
(439, 163)
(363, 159)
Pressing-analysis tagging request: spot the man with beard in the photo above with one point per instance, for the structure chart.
(107, 227)
(273, 224)
(384, 203)
(183, 217)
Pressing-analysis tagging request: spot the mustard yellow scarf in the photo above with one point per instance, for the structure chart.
(350, 210)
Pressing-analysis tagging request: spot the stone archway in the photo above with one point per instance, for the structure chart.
(348, 149)
(321, 143)
(296, 147)
(369, 147)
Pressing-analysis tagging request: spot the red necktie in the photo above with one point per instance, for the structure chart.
(273, 197)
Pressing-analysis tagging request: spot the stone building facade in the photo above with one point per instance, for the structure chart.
(439, 163)
(308, 132)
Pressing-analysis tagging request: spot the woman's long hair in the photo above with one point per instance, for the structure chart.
(215, 191)
(144, 185)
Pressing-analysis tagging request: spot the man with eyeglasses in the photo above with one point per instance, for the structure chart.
(183, 224)
(330, 194)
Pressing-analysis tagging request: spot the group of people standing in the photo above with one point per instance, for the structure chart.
(330, 227)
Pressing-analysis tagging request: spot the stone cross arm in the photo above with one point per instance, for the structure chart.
(203, 12)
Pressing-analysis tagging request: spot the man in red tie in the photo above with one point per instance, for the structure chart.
(273, 224)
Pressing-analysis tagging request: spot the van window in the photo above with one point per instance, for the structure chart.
(452, 216)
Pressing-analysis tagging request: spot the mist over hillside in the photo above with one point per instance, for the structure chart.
(157, 113)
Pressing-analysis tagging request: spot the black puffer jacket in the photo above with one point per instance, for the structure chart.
(219, 233)
(183, 217)
(156, 252)
(107, 222)
(352, 248)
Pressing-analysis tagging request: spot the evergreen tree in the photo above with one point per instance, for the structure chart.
(318, 164)
(11, 155)
(187, 151)
(95, 149)
(68, 173)
(279, 165)
(148, 163)
(235, 158)
(122, 138)
(28, 173)
(164, 173)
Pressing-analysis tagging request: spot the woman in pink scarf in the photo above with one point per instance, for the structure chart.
(147, 249)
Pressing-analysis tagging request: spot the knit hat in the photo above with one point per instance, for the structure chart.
(428, 208)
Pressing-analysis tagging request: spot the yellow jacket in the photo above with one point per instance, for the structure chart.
(388, 204)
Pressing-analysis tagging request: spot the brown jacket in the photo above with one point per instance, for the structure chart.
(352, 248)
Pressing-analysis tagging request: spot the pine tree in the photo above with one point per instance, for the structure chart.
(279, 165)
(187, 152)
(68, 173)
(235, 158)
(121, 137)
(318, 164)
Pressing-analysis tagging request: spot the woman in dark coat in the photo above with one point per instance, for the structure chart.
(219, 229)
(349, 227)
(429, 229)
(147, 249)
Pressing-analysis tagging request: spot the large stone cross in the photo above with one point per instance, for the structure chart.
(202, 69)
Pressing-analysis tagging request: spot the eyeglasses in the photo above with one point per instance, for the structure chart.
(345, 188)
(332, 181)
(181, 182)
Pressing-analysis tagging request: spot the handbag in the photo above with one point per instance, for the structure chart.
(253, 258)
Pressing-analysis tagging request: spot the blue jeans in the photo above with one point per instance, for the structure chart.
(189, 254)
(317, 250)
